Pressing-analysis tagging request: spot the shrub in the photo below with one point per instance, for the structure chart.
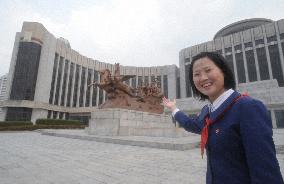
(14, 123)
(57, 122)
(40, 124)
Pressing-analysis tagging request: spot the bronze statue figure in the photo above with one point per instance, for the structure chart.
(120, 95)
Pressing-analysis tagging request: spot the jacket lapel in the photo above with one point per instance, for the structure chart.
(223, 106)
(204, 112)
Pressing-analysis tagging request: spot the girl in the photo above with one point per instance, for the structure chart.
(235, 129)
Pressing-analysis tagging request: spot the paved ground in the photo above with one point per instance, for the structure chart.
(29, 157)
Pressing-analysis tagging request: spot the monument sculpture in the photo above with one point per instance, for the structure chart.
(130, 111)
(146, 98)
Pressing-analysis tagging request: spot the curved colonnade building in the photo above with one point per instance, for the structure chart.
(254, 50)
(47, 79)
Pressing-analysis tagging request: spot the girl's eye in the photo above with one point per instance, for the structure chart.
(208, 70)
(196, 75)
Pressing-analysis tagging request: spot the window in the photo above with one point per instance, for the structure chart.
(61, 115)
(82, 86)
(133, 82)
(259, 42)
(165, 81)
(178, 87)
(262, 62)
(58, 84)
(75, 94)
(146, 80)
(95, 89)
(230, 63)
(251, 66)
(18, 114)
(271, 39)
(54, 114)
(228, 50)
(140, 80)
(71, 76)
(66, 68)
(55, 63)
(48, 114)
(282, 36)
(238, 47)
(219, 51)
(187, 82)
(248, 44)
(279, 116)
(277, 72)
(88, 90)
(240, 68)
(26, 70)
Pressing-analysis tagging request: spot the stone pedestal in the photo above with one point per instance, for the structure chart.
(123, 122)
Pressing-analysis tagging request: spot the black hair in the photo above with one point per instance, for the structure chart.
(220, 62)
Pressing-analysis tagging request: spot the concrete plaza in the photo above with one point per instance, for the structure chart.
(30, 157)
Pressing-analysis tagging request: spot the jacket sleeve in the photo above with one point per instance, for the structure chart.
(189, 124)
(256, 132)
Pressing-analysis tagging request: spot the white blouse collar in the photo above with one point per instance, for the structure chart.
(213, 106)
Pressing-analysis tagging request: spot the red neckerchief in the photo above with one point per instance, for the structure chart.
(208, 122)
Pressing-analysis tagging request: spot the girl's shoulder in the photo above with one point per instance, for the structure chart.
(247, 101)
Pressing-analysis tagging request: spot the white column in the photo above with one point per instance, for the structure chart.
(244, 58)
(267, 53)
(273, 118)
(280, 47)
(255, 55)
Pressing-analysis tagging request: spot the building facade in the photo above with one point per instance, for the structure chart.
(3, 86)
(254, 51)
(48, 79)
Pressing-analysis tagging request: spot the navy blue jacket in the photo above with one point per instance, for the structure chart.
(240, 148)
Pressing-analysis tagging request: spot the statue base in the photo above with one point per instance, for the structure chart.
(123, 122)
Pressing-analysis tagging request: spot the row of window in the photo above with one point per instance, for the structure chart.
(69, 85)
(257, 42)
(57, 115)
(253, 68)
(25, 71)
(279, 117)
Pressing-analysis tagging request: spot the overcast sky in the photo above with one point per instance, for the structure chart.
(131, 32)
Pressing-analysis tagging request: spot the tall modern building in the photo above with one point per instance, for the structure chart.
(48, 79)
(3, 86)
(254, 51)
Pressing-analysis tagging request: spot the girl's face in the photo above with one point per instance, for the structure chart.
(208, 78)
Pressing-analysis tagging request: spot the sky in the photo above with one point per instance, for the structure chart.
(130, 32)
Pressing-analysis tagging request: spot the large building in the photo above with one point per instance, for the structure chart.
(3, 86)
(48, 79)
(254, 50)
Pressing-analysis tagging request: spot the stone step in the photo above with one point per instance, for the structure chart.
(179, 143)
